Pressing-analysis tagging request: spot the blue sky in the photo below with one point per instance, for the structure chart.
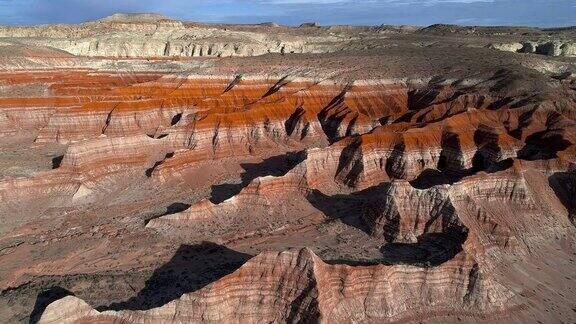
(545, 13)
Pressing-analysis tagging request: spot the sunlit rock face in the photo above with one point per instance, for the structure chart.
(297, 286)
(153, 170)
(157, 36)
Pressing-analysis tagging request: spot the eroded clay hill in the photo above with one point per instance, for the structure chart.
(388, 175)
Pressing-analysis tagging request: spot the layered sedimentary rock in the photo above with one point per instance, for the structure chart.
(297, 286)
(147, 37)
(550, 48)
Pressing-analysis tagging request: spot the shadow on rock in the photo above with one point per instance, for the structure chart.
(348, 208)
(543, 146)
(191, 268)
(429, 178)
(350, 164)
(564, 186)
(171, 209)
(431, 249)
(46, 298)
(150, 170)
(273, 166)
(57, 161)
(450, 169)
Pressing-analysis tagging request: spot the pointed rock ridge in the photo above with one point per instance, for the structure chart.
(406, 213)
(296, 286)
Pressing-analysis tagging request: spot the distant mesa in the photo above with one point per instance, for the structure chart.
(135, 17)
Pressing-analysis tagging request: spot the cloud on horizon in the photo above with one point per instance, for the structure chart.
(545, 13)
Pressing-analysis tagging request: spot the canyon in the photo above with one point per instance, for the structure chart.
(160, 171)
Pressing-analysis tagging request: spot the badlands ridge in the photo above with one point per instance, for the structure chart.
(153, 170)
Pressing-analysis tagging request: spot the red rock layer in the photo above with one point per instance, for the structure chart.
(225, 117)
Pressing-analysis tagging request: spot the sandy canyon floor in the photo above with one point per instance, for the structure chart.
(153, 170)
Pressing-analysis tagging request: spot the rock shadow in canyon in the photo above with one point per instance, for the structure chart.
(57, 161)
(191, 268)
(173, 208)
(176, 119)
(331, 116)
(429, 178)
(396, 164)
(150, 170)
(273, 166)
(431, 249)
(350, 164)
(419, 99)
(291, 123)
(564, 186)
(277, 86)
(450, 168)
(348, 208)
(543, 145)
(46, 298)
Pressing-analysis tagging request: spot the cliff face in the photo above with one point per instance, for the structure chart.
(550, 48)
(366, 184)
(123, 36)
